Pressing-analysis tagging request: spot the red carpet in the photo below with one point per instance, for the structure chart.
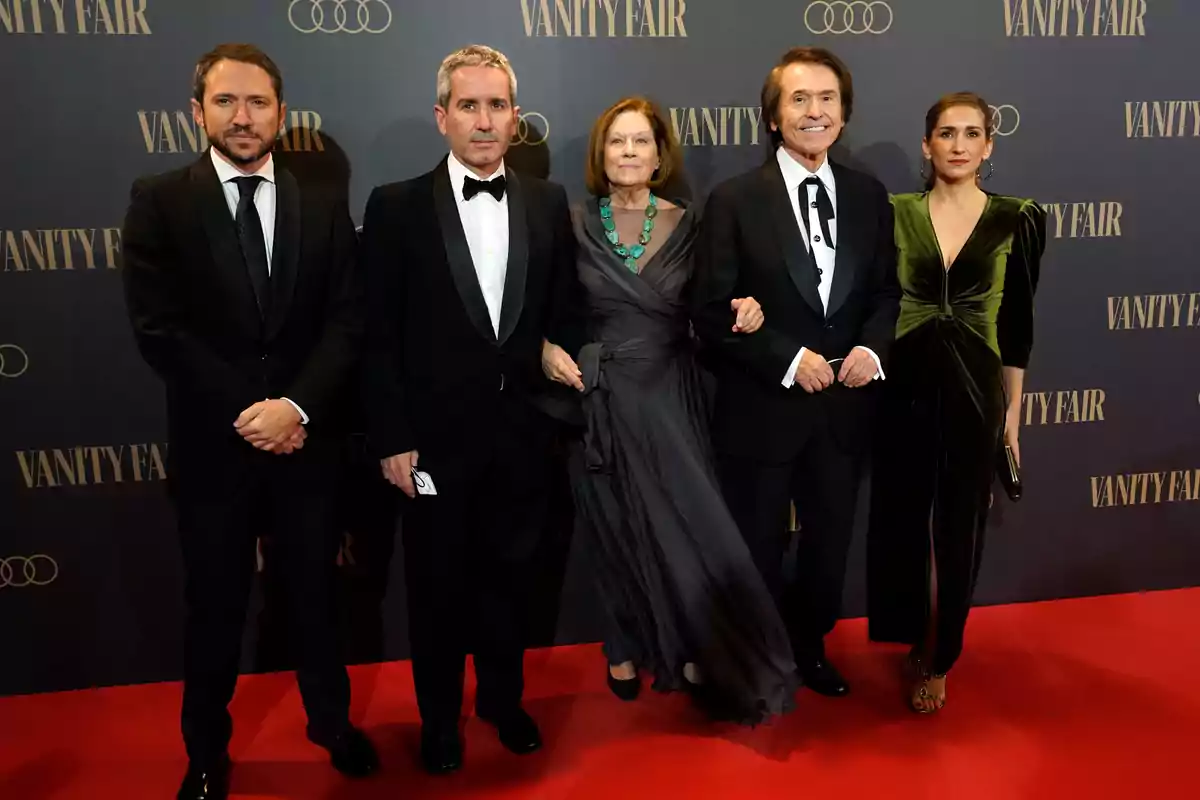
(1095, 698)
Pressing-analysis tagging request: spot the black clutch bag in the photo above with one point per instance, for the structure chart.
(1008, 472)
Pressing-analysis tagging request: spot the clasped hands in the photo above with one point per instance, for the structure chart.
(557, 365)
(815, 374)
(273, 426)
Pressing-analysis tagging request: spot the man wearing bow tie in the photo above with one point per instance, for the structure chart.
(469, 267)
(813, 240)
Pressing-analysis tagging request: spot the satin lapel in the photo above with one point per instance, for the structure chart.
(800, 265)
(221, 232)
(458, 254)
(851, 225)
(513, 302)
(285, 255)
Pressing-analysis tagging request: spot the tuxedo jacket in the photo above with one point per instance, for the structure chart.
(751, 245)
(196, 318)
(438, 378)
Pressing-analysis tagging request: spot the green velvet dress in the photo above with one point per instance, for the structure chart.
(942, 417)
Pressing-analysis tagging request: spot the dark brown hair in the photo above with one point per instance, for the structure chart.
(595, 175)
(946, 102)
(954, 100)
(244, 53)
(772, 91)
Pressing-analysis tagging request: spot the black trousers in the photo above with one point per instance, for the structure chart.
(823, 482)
(224, 504)
(469, 552)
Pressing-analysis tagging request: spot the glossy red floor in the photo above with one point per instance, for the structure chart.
(1096, 698)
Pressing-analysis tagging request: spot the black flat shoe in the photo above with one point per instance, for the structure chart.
(626, 689)
(822, 678)
(441, 750)
(518, 732)
(352, 754)
(206, 782)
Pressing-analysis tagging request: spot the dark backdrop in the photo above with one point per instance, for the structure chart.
(1097, 116)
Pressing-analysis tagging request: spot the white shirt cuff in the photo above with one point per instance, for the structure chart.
(879, 376)
(790, 378)
(300, 411)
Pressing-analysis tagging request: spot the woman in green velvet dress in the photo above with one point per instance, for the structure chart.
(968, 265)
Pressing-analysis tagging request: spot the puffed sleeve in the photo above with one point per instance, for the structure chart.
(1014, 325)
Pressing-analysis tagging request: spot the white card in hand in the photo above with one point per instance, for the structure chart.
(423, 482)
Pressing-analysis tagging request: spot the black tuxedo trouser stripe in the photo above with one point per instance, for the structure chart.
(823, 482)
(293, 504)
(468, 554)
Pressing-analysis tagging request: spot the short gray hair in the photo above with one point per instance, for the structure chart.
(475, 55)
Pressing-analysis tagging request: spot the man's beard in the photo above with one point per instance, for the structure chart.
(224, 150)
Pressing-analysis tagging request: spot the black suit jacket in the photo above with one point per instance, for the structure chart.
(438, 378)
(197, 321)
(751, 245)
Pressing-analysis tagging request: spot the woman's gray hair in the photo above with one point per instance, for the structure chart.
(475, 55)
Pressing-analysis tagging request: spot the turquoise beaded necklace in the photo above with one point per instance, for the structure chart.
(631, 253)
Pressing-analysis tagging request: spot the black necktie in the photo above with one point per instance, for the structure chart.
(254, 244)
(824, 208)
(494, 187)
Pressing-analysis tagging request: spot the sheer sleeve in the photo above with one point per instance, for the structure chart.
(1014, 325)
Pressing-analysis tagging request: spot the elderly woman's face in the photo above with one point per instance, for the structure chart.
(630, 150)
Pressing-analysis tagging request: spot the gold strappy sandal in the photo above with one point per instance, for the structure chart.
(919, 674)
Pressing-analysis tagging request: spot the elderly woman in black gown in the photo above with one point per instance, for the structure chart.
(687, 603)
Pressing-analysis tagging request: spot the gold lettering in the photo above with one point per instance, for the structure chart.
(112, 246)
(27, 467)
(1095, 400)
(610, 9)
(33, 250)
(1118, 313)
(647, 19)
(1193, 310)
(63, 464)
(12, 252)
(158, 470)
(678, 9)
(1102, 492)
(114, 457)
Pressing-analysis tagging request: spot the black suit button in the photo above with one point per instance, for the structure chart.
(829, 326)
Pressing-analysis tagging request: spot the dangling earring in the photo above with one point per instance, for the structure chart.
(991, 169)
(922, 173)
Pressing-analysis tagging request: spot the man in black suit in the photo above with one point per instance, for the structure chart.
(813, 241)
(243, 295)
(469, 269)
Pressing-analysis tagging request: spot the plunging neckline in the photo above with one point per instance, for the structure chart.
(938, 242)
(650, 261)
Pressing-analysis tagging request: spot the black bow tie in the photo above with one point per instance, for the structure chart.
(824, 208)
(494, 187)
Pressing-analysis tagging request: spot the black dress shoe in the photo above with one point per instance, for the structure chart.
(441, 749)
(206, 782)
(352, 753)
(518, 732)
(820, 676)
(625, 688)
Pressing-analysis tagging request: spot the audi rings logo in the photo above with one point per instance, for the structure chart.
(855, 18)
(531, 134)
(1005, 120)
(340, 16)
(18, 572)
(14, 361)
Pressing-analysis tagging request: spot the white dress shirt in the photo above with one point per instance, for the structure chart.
(264, 195)
(485, 223)
(794, 175)
(264, 204)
